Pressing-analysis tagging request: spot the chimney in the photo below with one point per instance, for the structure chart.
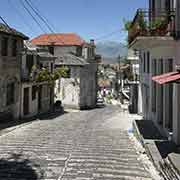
(92, 42)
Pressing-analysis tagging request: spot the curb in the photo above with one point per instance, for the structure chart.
(145, 145)
(165, 167)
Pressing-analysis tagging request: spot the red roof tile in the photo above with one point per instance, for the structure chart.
(166, 78)
(66, 39)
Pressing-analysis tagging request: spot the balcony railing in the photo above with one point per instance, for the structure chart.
(152, 23)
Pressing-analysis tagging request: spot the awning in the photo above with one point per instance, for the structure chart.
(167, 78)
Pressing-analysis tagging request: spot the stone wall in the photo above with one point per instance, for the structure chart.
(10, 73)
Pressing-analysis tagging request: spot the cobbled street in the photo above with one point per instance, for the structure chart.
(87, 145)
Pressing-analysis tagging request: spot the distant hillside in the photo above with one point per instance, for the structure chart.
(110, 50)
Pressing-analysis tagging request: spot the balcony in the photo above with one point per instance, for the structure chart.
(27, 76)
(152, 23)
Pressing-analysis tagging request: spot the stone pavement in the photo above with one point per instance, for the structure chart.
(87, 145)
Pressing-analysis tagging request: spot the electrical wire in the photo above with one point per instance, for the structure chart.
(20, 15)
(2, 19)
(32, 4)
(43, 19)
(39, 15)
(29, 12)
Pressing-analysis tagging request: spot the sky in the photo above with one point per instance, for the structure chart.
(91, 19)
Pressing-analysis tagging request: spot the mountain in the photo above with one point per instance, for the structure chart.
(110, 50)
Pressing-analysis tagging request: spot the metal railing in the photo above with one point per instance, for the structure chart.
(156, 22)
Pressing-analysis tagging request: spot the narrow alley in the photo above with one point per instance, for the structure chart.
(84, 145)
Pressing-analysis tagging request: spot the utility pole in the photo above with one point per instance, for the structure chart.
(118, 75)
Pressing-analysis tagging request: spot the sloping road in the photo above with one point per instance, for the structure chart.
(88, 145)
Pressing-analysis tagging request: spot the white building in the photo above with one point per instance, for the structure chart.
(135, 88)
(155, 34)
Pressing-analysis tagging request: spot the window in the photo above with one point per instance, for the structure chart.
(33, 93)
(51, 49)
(52, 67)
(170, 65)
(79, 51)
(4, 44)
(167, 5)
(148, 62)
(10, 93)
(29, 62)
(144, 63)
(14, 47)
(161, 66)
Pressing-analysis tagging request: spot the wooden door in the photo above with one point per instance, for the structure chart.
(26, 101)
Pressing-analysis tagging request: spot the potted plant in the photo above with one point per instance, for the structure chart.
(159, 26)
(127, 25)
(142, 24)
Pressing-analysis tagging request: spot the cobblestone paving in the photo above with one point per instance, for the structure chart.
(74, 146)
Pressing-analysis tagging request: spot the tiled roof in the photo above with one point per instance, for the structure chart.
(66, 39)
(70, 59)
(9, 30)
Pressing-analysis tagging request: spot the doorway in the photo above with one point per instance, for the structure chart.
(39, 98)
(26, 101)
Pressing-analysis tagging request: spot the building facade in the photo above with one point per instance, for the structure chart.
(79, 89)
(155, 33)
(36, 97)
(11, 45)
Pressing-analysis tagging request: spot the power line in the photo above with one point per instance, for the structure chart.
(43, 19)
(39, 15)
(29, 12)
(2, 19)
(20, 15)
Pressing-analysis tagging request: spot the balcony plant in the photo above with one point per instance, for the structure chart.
(142, 24)
(127, 25)
(159, 26)
(44, 75)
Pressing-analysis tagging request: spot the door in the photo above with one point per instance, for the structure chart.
(26, 101)
(39, 98)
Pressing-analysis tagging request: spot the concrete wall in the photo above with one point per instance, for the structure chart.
(67, 90)
(88, 86)
(80, 90)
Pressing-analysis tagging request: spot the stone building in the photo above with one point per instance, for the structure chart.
(36, 97)
(155, 34)
(11, 45)
(79, 89)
